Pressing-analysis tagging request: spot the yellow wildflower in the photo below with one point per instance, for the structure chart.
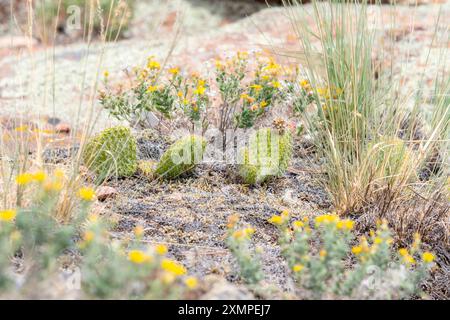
(357, 250)
(88, 236)
(138, 257)
(403, 252)
(24, 179)
(232, 220)
(7, 215)
(174, 71)
(323, 253)
(168, 278)
(173, 267)
(305, 84)
(191, 282)
(161, 249)
(409, 259)
(53, 186)
(275, 84)
(87, 194)
(298, 268)
(427, 257)
(249, 231)
(106, 74)
(263, 104)
(179, 94)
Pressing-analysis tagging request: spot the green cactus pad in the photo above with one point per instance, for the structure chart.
(181, 157)
(267, 155)
(112, 153)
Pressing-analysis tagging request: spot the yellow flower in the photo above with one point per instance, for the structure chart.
(219, 65)
(161, 249)
(173, 267)
(263, 104)
(24, 179)
(409, 259)
(138, 257)
(298, 267)
(305, 84)
(138, 231)
(403, 252)
(168, 278)
(7, 215)
(179, 94)
(87, 194)
(278, 220)
(427, 257)
(106, 74)
(348, 224)
(174, 71)
(298, 224)
(53, 186)
(232, 220)
(257, 87)
(323, 253)
(200, 90)
(152, 88)
(377, 240)
(357, 250)
(39, 176)
(153, 65)
(88, 236)
(191, 282)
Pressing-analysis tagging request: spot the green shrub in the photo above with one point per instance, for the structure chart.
(113, 152)
(267, 155)
(181, 157)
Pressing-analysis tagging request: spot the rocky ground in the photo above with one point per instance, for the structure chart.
(54, 87)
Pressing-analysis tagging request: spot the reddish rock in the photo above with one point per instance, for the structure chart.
(106, 192)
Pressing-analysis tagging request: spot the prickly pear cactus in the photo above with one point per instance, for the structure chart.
(112, 153)
(267, 155)
(181, 157)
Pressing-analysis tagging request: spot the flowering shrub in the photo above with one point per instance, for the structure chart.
(317, 254)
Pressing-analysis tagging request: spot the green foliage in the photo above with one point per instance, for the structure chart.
(110, 17)
(267, 155)
(181, 157)
(113, 152)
